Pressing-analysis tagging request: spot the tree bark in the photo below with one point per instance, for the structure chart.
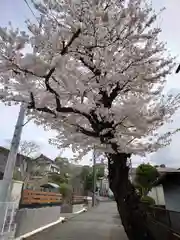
(133, 216)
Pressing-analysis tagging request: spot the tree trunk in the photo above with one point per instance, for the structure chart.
(131, 211)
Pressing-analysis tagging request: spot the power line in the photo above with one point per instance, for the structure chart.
(26, 2)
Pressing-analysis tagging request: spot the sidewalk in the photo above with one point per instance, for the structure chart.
(99, 223)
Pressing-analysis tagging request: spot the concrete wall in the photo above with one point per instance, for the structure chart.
(157, 193)
(77, 207)
(16, 191)
(30, 219)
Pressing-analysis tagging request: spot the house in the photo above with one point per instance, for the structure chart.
(46, 165)
(44, 168)
(4, 152)
(166, 191)
(41, 167)
(103, 182)
(103, 187)
(77, 185)
(168, 187)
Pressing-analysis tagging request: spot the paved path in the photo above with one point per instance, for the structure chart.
(99, 223)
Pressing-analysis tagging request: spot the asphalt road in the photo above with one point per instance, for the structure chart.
(99, 223)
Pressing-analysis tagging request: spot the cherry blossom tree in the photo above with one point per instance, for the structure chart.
(95, 73)
(29, 168)
(29, 148)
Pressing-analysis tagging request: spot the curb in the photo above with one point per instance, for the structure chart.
(60, 220)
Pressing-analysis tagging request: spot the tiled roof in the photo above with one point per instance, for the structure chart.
(44, 158)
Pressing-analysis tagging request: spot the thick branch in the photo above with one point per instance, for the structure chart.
(51, 71)
(86, 132)
(93, 69)
(106, 100)
(58, 109)
(73, 110)
(51, 90)
(44, 109)
(47, 77)
(118, 88)
(47, 110)
(23, 70)
(63, 52)
(75, 35)
(97, 72)
(116, 91)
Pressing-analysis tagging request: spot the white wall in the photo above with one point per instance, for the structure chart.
(16, 191)
(157, 193)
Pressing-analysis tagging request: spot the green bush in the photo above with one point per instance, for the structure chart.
(148, 200)
(65, 190)
(146, 176)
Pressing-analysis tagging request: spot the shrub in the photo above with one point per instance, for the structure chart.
(65, 190)
(148, 200)
(146, 176)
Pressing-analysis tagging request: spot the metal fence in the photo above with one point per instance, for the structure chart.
(169, 218)
(7, 223)
(161, 231)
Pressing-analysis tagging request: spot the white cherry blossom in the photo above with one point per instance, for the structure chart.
(95, 75)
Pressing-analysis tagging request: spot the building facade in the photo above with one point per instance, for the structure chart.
(166, 192)
(21, 159)
(46, 165)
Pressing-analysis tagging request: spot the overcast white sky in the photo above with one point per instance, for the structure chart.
(17, 12)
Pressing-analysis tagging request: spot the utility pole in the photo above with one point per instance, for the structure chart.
(94, 178)
(11, 161)
(6, 183)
